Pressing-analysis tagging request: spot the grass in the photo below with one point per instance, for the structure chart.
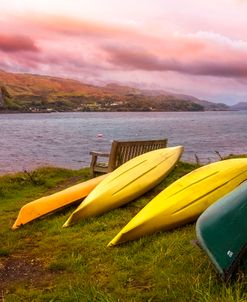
(42, 261)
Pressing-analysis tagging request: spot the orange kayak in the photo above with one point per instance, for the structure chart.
(51, 203)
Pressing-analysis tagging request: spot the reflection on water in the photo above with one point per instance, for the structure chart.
(65, 139)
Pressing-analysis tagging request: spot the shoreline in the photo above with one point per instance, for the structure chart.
(54, 167)
(116, 111)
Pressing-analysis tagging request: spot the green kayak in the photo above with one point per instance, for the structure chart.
(222, 232)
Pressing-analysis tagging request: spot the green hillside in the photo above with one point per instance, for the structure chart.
(35, 93)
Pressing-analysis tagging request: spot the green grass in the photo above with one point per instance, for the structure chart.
(49, 263)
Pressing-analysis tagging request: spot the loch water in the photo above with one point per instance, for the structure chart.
(65, 139)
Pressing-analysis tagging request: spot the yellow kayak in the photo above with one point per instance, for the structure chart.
(48, 204)
(185, 199)
(127, 182)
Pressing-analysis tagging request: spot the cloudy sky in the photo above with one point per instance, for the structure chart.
(196, 47)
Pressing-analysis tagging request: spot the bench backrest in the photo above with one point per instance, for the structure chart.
(122, 151)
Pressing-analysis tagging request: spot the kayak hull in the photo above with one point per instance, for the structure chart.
(185, 199)
(221, 231)
(128, 182)
(51, 203)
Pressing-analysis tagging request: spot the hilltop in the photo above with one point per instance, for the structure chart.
(239, 106)
(36, 93)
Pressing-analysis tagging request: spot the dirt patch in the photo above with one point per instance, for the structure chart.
(21, 268)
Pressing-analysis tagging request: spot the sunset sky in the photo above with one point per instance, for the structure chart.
(196, 47)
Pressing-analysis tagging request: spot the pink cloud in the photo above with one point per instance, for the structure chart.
(137, 60)
(100, 50)
(15, 43)
(74, 26)
(201, 53)
(83, 45)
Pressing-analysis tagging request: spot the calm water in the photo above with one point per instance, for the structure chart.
(65, 139)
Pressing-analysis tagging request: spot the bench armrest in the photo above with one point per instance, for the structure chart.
(96, 154)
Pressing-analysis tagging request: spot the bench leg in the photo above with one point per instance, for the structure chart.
(92, 165)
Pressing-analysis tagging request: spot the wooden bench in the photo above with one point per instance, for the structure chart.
(122, 151)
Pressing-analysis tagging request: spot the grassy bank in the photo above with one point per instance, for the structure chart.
(44, 262)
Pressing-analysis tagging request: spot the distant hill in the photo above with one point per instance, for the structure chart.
(210, 106)
(36, 93)
(239, 106)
